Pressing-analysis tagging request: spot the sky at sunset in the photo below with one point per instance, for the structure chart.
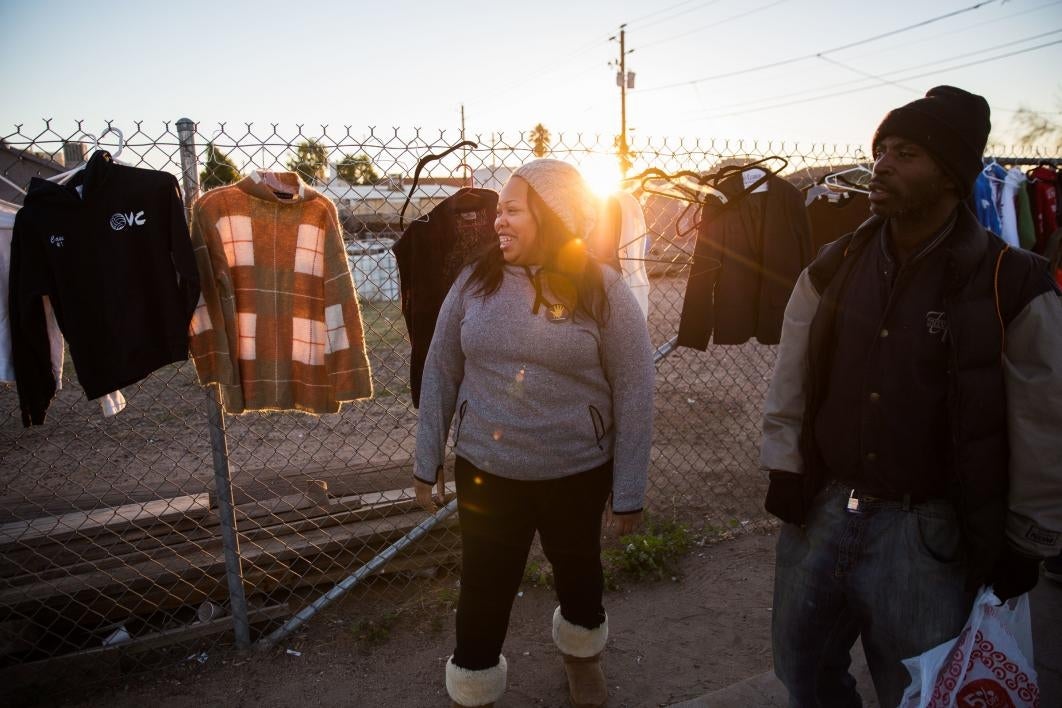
(768, 69)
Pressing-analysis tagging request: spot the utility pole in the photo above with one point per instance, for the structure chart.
(625, 81)
(623, 95)
(464, 160)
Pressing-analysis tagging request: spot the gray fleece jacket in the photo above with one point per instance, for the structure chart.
(537, 399)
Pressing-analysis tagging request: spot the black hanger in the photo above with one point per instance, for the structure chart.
(723, 173)
(470, 199)
(420, 166)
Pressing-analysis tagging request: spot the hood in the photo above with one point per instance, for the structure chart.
(91, 178)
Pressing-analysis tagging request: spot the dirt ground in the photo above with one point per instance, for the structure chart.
(670, 641)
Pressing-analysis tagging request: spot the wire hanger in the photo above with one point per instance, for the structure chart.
(987, 170)
(839, 180)
(64, 177)
(416, 176)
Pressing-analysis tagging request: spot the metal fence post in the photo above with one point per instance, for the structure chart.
(216, 421)
(189, 163)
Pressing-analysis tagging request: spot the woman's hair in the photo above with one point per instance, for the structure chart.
(564, 258)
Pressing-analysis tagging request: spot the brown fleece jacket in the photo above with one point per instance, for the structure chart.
(278, 325)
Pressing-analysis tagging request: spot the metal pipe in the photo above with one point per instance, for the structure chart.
(227, 517)
(216, 423)
(342, 587)
(189, 163)
(665, 349)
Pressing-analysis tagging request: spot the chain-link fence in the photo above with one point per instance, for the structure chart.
(172, 525)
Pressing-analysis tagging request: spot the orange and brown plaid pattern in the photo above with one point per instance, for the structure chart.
(278, 325)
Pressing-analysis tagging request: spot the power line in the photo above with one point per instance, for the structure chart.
(894, 72)
(959, 30)
(654, 13)
(714, 24)
(677, 14)
(868, 75)
(815, 55)
(872, 86)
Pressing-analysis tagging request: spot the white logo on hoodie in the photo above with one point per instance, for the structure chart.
(119, 221)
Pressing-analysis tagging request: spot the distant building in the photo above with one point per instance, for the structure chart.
(19, 166)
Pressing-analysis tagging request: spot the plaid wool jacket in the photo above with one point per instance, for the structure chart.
(278, 325)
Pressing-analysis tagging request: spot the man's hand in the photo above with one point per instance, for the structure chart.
(424, 492)
(785, 497)
(1014, 574)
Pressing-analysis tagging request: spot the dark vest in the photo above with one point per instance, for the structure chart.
(976, 315)
(882, 425)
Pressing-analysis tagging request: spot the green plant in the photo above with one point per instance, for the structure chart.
(371, 632)
(538, 575)
(653, 553)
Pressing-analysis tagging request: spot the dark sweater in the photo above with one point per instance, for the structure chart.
(430, 254)
(749, 254)
(117, 265)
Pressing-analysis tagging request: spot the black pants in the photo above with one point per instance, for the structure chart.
(499, 518)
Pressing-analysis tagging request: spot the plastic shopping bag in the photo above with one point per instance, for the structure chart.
(989, 665)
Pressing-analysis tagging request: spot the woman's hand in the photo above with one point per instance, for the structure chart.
(623, 524)
(424, 491)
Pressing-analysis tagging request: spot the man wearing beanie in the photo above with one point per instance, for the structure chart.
(911, 426)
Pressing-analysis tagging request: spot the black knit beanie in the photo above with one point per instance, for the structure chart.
(951, 124)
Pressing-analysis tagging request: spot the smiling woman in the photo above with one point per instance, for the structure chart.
(544, 357)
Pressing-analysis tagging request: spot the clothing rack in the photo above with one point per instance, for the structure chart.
(1025, 161)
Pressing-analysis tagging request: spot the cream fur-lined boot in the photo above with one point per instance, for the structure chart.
(469, 688)
(582, 649)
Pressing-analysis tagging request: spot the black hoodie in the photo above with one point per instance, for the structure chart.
(117, 265)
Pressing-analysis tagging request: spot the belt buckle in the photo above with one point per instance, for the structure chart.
(853, 503)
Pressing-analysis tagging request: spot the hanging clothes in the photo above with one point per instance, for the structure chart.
(1013, 180)
(1043, 183)
(749, 254)
(1053, 254)
(111, 403)
(278, 326)
(1026, 225)
(430, 253)
(7, 223)
(620, 241)
(985, 202)
(110, 250)
(833, 216)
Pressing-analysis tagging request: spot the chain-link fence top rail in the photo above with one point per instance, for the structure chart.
(109, 531)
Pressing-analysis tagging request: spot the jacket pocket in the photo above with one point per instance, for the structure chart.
(460, 420)
(599, 426)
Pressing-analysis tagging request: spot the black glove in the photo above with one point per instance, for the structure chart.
(1014, 573)
(785, 497)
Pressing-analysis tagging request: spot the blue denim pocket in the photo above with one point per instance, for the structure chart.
(934, 531)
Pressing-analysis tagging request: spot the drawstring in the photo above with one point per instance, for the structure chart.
(999, 311)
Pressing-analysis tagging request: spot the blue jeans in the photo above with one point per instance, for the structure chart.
(890, 574)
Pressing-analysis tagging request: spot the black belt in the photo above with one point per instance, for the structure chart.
(861, 499)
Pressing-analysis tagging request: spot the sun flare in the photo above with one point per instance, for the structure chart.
(601, 174)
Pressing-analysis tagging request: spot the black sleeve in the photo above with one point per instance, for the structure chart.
(698, 310)
(181, 249)
(29, 332)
